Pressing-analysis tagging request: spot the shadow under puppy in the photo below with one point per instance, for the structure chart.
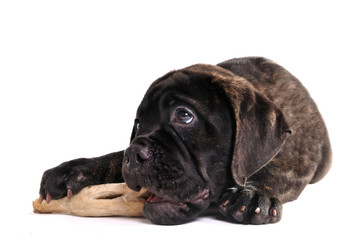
(244, 135)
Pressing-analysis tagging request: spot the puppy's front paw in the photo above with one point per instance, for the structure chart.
(65, 180)
(250, 206)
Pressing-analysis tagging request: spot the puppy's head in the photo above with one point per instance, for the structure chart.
(194, 130)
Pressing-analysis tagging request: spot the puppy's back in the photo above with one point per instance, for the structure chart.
(307, 151)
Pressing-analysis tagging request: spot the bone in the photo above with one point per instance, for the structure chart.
(114, 199)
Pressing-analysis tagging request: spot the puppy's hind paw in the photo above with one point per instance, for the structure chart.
(250, 206)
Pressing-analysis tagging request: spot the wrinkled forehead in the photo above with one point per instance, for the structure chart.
(172, 83)
(194, 89)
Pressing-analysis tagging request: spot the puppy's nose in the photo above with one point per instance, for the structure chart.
(137, 155)
(143, 153)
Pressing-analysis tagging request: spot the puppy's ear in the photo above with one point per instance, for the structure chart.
(261, 130)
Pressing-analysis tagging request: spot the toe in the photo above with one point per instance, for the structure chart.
(275, 211)
(242, 208)
(226, 202)
(259, 209)
(240, 214)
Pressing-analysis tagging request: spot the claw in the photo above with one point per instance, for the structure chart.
(274, 213)
(69, 193)
(257, 211)
(48, 198)
(41, 198)
(226, 203)
(242, 208)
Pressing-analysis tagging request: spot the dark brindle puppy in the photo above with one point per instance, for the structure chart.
(244, 135)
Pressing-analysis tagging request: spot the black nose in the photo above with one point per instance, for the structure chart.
(142, 153)
(137, 154)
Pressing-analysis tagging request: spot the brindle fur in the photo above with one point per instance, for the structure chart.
(259, 140)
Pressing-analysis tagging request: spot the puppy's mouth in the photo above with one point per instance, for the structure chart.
(161, 210)
(156, 199)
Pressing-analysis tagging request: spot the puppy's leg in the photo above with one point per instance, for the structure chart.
(70, 177)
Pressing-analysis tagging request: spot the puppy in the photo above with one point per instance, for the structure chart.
(244, 135)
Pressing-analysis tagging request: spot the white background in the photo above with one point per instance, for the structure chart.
(72, 74)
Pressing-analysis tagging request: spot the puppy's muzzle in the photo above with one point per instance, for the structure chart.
(137, 154)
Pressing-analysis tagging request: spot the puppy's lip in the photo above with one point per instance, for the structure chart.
(156, 199)
(204, 195)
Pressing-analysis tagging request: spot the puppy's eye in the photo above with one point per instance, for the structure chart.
(137, 124)
(183, 116)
